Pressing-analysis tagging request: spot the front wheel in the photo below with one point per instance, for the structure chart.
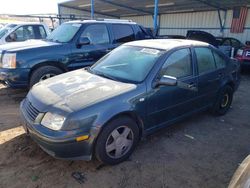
(223, 101)
(117, 141)
(44, 73)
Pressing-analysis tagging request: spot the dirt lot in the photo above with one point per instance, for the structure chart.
(202, 151)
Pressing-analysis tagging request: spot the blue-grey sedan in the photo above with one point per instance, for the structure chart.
(134, 90)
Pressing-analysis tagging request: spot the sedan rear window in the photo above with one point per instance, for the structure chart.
(205, 60)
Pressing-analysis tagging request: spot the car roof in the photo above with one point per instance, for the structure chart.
(166, 44)
(103, 21)
(25, 23)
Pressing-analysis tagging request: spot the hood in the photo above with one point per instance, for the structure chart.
(74, 91)
(29, 44)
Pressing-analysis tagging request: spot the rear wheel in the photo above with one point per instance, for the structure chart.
(223, 101)
(117, 141)
(44, 73)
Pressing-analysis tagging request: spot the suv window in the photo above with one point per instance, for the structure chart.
(24, 33)
(97, 34)
(123, 33)
(219, 60)
(178, 64)
(205, 59)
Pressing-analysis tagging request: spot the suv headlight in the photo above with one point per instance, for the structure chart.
(9, 60)
(53, 121)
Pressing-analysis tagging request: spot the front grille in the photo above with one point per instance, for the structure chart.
(30, 111)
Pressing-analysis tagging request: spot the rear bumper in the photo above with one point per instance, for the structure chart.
(60, 144)
(15, 78)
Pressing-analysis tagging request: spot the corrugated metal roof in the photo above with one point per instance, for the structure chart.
(124, 8)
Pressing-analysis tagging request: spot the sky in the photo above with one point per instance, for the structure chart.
(29, 6)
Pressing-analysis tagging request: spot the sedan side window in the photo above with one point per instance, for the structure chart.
(178, 64)
(220, 61)
(205, 60)
(97, 34)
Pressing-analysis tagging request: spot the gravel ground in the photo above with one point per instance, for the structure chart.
(201, 151)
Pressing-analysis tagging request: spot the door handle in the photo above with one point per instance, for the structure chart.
(108, 50)
(191, 85)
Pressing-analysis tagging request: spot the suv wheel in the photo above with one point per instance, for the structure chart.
(224, 101)
(44, 73)
(117, 141)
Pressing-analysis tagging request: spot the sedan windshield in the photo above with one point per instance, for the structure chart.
(127, 63)
(64, 33)
(6, 29)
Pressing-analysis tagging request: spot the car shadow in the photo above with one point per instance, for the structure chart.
(9, 107)
(11, 95)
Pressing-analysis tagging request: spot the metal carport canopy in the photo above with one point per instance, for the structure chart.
(123, 8)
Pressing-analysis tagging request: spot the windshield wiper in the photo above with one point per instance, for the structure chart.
(104, 75)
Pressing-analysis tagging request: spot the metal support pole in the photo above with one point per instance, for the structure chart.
(220, 20)
(155, 17)
(92, 9)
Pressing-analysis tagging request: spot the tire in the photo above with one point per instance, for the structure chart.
(223, 101)
(42, 72)
(108, 148)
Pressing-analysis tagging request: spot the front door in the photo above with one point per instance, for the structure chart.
(168, 103)
(100, 45)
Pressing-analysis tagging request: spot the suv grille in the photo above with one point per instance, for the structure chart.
(30, 111)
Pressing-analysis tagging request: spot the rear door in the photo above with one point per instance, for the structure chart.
(209, 76)
(87, 55)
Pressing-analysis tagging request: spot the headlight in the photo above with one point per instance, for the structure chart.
(53, 121)
(240, 52)
(9, 60)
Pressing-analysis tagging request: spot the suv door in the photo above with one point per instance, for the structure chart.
(168, 103)
(209, 76)
(86, 55)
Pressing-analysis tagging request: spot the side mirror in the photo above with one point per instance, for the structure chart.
(83, 41)
(168, 81)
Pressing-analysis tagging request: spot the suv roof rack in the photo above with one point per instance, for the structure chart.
(113, 20)
(104, 19)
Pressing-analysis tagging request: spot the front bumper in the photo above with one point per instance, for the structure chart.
(60, 144)
(16, 78)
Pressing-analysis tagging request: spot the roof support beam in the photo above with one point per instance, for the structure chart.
(155, 17)
(208, 3)
(92, 9)
(222, 22)
(85, 10)
(126, 7)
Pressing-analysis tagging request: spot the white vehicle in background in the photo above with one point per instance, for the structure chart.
(1, 25)
(17, 32)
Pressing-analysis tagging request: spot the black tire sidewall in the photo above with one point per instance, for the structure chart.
(100, 150)
(38, 73)
(218, 110)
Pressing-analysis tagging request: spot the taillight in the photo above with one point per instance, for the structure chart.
(240, 52)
